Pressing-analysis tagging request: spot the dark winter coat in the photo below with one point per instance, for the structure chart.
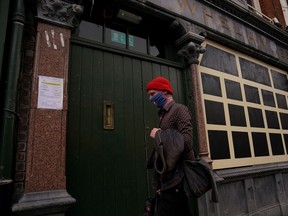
(166, 159)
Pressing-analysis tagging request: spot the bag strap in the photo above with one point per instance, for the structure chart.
(159, 156)
(196, 153)
(213, 182)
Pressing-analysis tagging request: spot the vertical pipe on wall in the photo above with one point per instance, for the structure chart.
(9, 115)
(4, 9)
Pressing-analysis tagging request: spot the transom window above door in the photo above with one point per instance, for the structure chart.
(143, 38)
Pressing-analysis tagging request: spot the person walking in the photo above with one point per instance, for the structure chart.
(171, 198)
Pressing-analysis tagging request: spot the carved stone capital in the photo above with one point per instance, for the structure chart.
(191, 52)
(59, 12)
(188, 42)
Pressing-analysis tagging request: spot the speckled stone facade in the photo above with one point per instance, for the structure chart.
(40, 181)
(47, 127)
(40, 153)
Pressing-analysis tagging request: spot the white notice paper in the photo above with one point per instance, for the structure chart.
(50, 93)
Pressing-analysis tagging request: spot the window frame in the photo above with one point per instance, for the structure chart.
(253, 160)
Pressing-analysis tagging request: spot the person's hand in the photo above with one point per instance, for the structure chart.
(158, 192)
(153, 132)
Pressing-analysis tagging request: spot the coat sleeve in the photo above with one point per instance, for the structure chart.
(184, 126)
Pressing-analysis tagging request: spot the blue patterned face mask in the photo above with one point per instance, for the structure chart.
(159, 100)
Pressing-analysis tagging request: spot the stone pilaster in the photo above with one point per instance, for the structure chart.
(190, 48)
(45, 181)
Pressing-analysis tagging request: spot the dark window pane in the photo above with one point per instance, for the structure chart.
(252, 94)
(284, 120)
(159, 40)
(211, 85)
(138, 42)
(156, 46)
(90, 31)
(268, 98)
(272, 119)
(254, 72)
(241, 144)
(286, 142)
(237, 115)
(256, 117)
(260, 144)
(116, 35)
(215, 113)
(219, 147)
(219, 60)
(276, 144)
(280, 81)
(233, 90)
(281, 101)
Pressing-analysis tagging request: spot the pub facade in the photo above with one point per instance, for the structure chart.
(76, 118)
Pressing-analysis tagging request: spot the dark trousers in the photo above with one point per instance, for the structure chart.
(172, 202)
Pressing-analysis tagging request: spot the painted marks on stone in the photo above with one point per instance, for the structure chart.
(62, 40)
(53, 37)
(47, 39)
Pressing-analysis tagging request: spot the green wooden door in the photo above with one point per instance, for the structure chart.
(106, 167)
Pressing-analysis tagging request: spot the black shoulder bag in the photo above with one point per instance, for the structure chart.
(199, 178)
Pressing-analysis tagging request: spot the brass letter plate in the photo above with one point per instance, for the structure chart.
(108, 115)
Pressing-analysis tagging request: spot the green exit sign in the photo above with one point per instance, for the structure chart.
(120, 37)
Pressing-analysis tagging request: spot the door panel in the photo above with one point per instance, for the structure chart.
(106, 168)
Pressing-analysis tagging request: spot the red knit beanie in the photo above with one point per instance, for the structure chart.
(160, 84)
